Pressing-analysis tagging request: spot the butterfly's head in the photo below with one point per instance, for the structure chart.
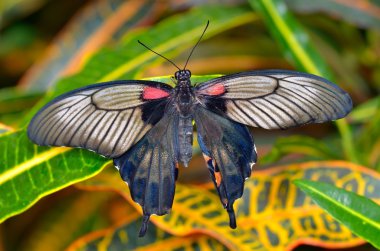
(182, 75)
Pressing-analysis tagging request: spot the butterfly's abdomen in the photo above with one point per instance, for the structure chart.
(185, 139)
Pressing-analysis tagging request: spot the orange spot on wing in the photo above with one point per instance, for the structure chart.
(207, 158)
(218, 178)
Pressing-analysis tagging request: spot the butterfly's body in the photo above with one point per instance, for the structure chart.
(184, 104)
(146, 127)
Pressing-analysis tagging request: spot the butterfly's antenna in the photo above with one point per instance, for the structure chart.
(196, 44)
(159, 54)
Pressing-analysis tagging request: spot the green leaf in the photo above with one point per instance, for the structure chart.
(29, 172)
(360, 214)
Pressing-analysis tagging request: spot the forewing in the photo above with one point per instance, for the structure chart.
(149, 168)
(274, 99)
(230, 153)
(107, 118)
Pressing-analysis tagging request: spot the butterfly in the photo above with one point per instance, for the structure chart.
(146, 127)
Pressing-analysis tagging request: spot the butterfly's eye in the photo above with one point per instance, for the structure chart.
(188, 73)
(176, 75)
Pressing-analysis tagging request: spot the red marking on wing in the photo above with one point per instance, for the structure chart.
(154, 93)
(214, 90)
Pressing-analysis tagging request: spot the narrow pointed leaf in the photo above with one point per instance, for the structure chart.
(358, 213)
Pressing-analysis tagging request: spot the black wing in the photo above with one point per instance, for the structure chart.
(150, 168)
(230, 153)
(107, 118)
(274, 99)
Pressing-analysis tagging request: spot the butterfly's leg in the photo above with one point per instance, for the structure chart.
(144, 225)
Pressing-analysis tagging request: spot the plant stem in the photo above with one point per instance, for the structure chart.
(347, 141)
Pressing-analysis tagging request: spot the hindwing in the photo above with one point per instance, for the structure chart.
(150, 168)
(229, 152)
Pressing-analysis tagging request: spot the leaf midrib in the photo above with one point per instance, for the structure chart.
(29, 164)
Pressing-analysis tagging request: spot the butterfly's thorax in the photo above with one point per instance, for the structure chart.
(185, 98)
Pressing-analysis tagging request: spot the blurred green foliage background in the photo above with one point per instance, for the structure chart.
(49, 47)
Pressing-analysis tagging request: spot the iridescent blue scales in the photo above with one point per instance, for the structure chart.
(145, 126)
